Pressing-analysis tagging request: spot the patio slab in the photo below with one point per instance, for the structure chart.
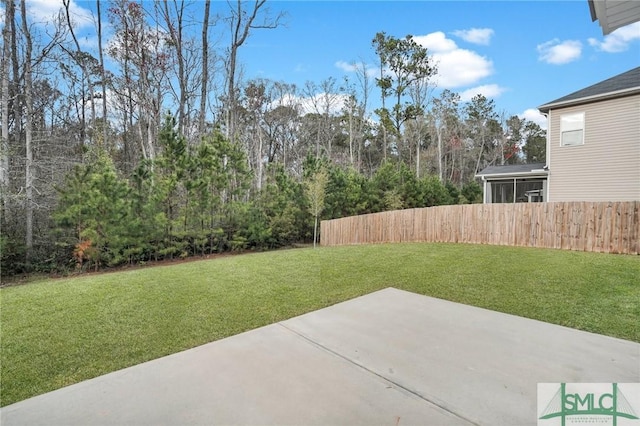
(390, 357)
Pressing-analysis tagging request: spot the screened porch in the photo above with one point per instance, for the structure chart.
(518, 183)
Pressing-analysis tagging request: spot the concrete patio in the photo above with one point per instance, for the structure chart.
(389, 358)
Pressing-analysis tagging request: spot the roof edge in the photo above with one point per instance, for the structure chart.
(587, 99)
(592, 11)
(533, 173)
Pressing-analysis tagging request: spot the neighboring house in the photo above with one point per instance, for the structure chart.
(593, 142)
(593, 148)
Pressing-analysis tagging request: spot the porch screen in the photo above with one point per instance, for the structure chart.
(526, 190)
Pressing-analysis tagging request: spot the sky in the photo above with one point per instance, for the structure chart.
(521, 54)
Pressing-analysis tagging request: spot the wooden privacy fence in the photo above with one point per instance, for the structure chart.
(610, 227)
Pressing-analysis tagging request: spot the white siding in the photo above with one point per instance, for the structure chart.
(607, 166)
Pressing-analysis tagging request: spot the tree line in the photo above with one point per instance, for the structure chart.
(153, 145)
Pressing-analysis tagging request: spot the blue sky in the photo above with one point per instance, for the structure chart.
(522, 54)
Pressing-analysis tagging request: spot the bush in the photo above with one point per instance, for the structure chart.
(12, 256)
(472, 192)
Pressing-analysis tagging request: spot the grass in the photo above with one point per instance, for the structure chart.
(58, 332)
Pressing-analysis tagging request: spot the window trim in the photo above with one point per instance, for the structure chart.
(570, 123)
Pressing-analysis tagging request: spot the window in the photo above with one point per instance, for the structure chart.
(572, 129)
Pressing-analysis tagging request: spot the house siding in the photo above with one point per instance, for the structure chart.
(607, 166)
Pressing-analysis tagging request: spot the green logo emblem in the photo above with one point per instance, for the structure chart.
(588, 403)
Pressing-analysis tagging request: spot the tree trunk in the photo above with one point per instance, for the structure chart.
(151, 126)
(318, 137)
(351, 136)
(17, 93)
(205, 67)
(4, 147)
(418, 156)
(439, 134)
(259, 157)
(143, 146)
(479, 156)
(176, 38)
(28, 133)
(103, 77)
(315, 231)
(382, 121)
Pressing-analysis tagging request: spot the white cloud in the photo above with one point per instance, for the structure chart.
(436, 42)
(475, 35)
(44, 11)
(532, 114)
(456, 67)
(461, 67)
(558, 53)
(489, 91)
(619, 40)
(345, 66)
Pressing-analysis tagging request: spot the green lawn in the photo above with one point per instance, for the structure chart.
(58, 332)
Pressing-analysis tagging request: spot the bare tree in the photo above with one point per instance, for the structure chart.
(329, 101)
(80, 58)
(443, 119)
(323, 99)
(351, 109)
(123, 90)
(242, 21)
(282, 119)
(187, 63)
(256, 103)
(174, 23)
(356, 108)
(141, 51)
(482, 122)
